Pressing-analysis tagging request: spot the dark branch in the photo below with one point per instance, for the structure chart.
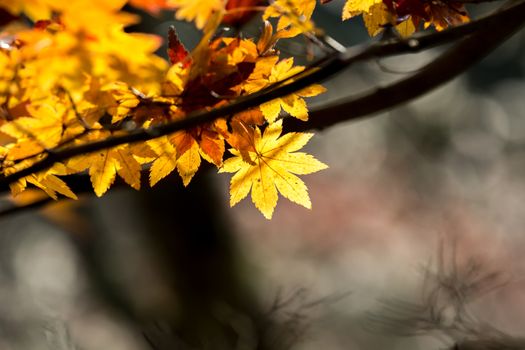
(491, 31)
(16, 209)
(443, 69)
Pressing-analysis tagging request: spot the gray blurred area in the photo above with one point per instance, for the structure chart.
(414, 241)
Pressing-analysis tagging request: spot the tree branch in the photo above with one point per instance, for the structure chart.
(491, 31)
(443, 69)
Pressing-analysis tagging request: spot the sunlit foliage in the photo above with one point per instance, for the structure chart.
(70, 74)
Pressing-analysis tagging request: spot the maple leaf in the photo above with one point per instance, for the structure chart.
(165, 161)
(293, 104)
(445, 14)
(199, 11)
(87, 73)
(176, 50)
(403, 8)
(188, 163)
(356, 7)
(267, 40)
(193, 144)
(59, 53)
(188, 157)
(379, 16)
(104, 165)
(242, 134)
(441, 14)
(47, 180)
(125, 100)
(239, 12)
(44, 125)
(294, 16)
(176, 79)
(52, 184)
(179, 151)
(211, 147)
(81, 15)
(272, 171)
(406, 28)
(42, 130)
(94, 102)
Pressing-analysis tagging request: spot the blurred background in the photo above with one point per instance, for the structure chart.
(425, 197)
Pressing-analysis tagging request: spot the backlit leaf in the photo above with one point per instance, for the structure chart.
(199, 11)
(273, 170)
(165, 162)
(356, 7)
(176, 50)
(188, 163)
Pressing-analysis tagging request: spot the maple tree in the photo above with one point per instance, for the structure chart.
(79, 98)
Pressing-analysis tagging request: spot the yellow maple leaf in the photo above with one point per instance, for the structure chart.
(59, 55)
(128, 168)
(406, 28)
(102, 169)
(199, 11)
(51, 184)
(188, 163)
(104, 165)
(267, 72)
(294, 16)
(183, 152)
(378, 17)
(125, 100)
(176, 79)
(165, 162)
(272, 170)
(47, 180)
(44, 126)
(42, 130)
(188, 155)
(258, 79)
(356, 7)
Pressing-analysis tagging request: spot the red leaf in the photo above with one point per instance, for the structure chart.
(403, 8)
(176, 50)
(241, 11)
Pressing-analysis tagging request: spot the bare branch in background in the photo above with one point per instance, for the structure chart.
(449, 287)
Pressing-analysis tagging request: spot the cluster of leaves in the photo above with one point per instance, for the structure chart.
(406, 16)
(65, 82)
